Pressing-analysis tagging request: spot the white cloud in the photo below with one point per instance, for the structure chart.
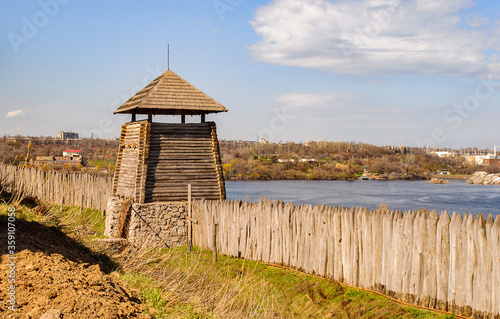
(377, 36)
(347, 116)
(319, 111)
(14, 114)
(317, 100)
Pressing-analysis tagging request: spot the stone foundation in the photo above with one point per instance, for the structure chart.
(168, 221)
(147, 225)
(114, 217)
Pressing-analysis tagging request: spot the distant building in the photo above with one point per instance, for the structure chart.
(443, 153)
(308, 160)
(67, 135)
(485, 159)
(495, 162)
(488, 160)
(479, 160)
(443, 172)
(72, 153)
(70, 157)
(263, 141)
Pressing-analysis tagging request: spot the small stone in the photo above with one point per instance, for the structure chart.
(51, 314)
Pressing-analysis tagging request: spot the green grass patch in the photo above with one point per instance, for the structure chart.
(87, 223)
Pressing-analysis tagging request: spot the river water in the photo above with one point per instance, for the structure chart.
(458, 196)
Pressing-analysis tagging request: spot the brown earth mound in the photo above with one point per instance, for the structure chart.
(56, 278)
(38, 237)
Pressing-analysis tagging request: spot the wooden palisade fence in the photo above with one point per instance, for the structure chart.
(79, 189)
(420, 258)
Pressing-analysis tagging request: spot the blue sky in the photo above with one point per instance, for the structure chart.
(417, 72)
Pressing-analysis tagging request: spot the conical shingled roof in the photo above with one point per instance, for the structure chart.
(172, 95)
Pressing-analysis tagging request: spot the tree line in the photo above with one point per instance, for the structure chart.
(244, 160)
(331, 160)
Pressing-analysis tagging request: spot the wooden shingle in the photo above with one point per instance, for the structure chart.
(171, 95)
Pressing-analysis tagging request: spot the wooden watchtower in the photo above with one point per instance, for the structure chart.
(157, 161)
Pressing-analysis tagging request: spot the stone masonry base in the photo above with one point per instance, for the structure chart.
(146, 225)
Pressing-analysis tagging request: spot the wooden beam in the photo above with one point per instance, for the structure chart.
(183, 118)
(203, 118)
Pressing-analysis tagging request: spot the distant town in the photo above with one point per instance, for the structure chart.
(66, 152)
(250, 160)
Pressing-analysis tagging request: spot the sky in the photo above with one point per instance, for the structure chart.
(384, 72)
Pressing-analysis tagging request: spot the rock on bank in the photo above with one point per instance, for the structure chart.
(484, 178)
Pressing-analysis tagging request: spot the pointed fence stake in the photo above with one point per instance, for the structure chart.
(189, 223)
(214, 242)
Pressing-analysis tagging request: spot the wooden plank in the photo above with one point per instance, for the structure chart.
(184, 182)
(175, 196)
(185, 168)
(164, 194)
(168, 150)
(180, 142)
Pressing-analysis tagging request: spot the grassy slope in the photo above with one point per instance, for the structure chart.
(177, 284)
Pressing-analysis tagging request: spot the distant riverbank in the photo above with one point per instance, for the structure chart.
(390, 177)
(452, 177)
(457, 196)
(335, 177)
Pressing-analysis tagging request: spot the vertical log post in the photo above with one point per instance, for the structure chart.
(189, 232)
(214, 242)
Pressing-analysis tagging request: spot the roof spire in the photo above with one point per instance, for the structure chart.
(168, 56)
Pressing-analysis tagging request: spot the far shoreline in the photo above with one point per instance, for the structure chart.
(390, 178)
(452, 177)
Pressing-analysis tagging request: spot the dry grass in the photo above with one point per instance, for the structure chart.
(191, 285)
(179, 284)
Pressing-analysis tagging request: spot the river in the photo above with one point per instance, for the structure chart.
(458, 196)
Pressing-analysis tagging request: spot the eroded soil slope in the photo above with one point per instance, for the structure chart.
(56, 278)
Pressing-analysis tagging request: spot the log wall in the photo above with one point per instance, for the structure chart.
(156, 162)
(86, 190)
(131, 164)
(182, 154)
(418, 257)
